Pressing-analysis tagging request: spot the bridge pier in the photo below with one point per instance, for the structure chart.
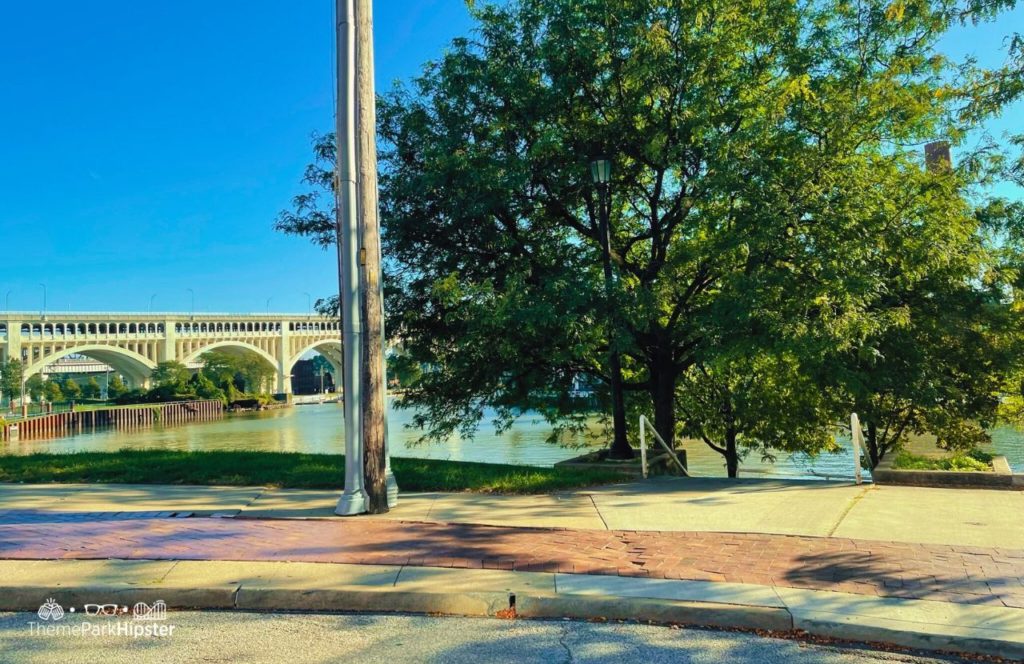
(284, 383)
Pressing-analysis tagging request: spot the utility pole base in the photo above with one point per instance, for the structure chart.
(351, 504)
(389, 478)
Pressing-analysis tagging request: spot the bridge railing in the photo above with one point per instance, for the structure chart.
(158, 314)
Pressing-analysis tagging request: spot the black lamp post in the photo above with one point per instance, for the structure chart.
(601, 171)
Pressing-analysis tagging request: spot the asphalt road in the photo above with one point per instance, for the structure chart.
(254, 638)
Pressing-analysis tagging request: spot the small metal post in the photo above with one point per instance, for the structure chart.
(643, 445)
(855, 437)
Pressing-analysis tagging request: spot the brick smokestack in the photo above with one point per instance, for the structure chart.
(937, 158)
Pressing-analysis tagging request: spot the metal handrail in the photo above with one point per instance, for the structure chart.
(857, 438)
(644, 425)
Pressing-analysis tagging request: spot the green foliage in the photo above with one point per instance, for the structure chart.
(761, 403)
(291, 470)
(172, 382)
(170, 373)
(972, 460)
(321, 365)
(238, 372)
(11, 375)
(35, 388)
(939, 364)
(71, 389)
(130, 397)
(782, 255)
(204, 387)
(91, 389)
(403, 369)
(158, 394)
(116, 387)
(52, 391)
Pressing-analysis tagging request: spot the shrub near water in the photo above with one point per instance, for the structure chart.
(974, 460)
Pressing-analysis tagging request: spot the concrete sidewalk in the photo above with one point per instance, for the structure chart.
(957, 517)
(26, 585)
(923, 568)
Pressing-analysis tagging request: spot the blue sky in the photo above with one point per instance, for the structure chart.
(146, 147)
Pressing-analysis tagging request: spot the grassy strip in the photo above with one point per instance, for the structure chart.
(284, 469)
(974, 460)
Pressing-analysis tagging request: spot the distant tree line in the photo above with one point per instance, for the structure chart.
(225, 376)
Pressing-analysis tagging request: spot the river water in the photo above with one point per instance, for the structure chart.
(319, 429)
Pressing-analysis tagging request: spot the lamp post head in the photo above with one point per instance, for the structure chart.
(601, 169)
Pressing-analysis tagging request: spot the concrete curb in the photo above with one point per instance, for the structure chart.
(917, 624)
(485, 604)
(910, 637)
(704, 614)
(457, 603)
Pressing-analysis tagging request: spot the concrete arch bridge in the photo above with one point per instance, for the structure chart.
(133, 344)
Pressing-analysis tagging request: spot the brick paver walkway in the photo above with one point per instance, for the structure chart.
(948, 573)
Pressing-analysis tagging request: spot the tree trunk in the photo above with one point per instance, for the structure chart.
(620, 448)
(732, 457)
(663, 394)
(372, 309)
(872, 444)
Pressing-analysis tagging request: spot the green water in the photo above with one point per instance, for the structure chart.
(319, 429)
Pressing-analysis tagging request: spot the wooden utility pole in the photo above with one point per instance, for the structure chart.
(369, 484)
(371, 304)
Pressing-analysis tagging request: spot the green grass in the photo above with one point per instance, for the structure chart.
(286, 470)
(975, 460)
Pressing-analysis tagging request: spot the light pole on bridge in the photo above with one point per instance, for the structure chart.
(44, 299)
(309, 303)
(268, 303)
(192, 306)
(151, 298)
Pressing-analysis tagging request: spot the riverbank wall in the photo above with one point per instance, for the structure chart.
(57, 425)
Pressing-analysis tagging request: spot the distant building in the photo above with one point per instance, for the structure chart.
(307, 380)
(937, 157)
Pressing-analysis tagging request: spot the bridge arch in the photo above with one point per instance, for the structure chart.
(136, 367)
(240, 345)
(232, 345)
(329, 348)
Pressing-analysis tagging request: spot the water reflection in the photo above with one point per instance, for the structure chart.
(318, 429)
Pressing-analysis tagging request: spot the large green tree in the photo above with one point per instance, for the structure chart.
(71, 389)
(116, 387)
(11, 375)
(246, 372)
(35, 388)
(204, 388)
(170, 373)
(91, 389)
(768, 194)
(52, 391)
